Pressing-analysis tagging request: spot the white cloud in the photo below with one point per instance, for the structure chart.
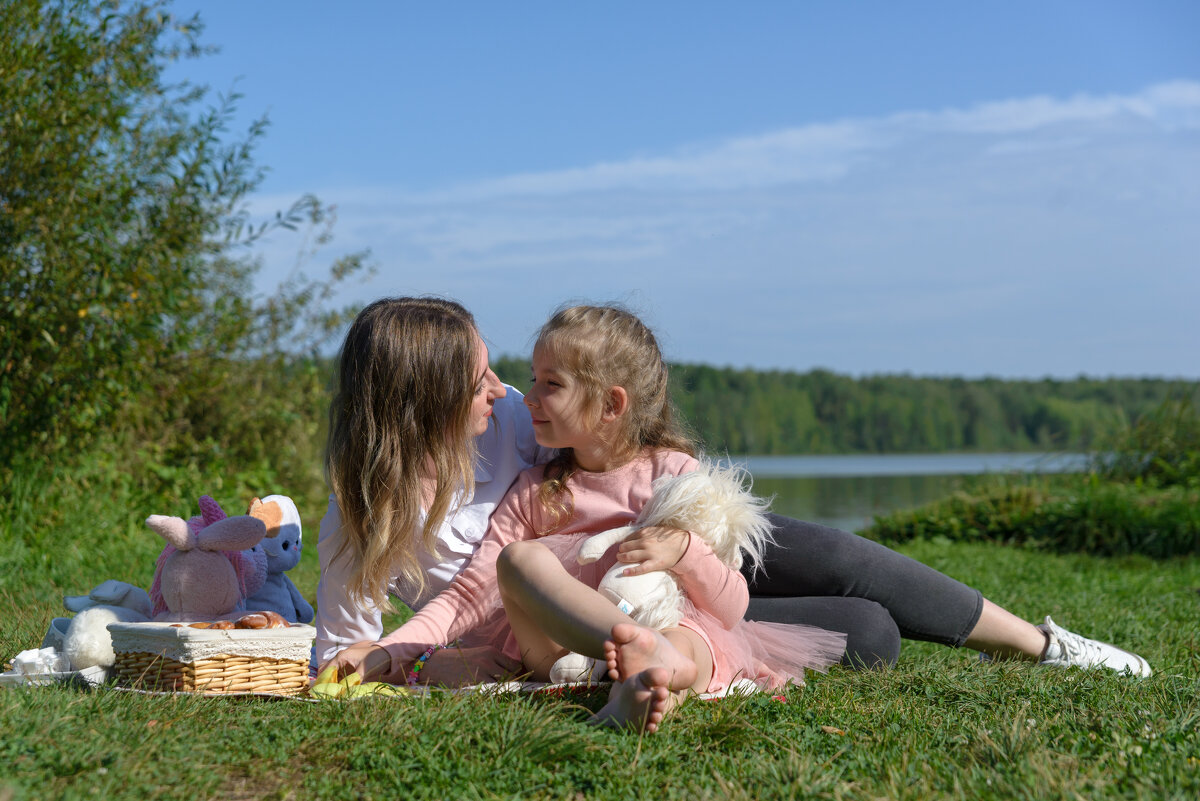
(825, 152)
(914, 241)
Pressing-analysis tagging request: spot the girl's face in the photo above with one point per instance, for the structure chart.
(556, 403)
(487, 390)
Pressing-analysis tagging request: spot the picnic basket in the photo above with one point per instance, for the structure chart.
(171, 657)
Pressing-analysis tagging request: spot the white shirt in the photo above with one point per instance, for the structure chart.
(505, 449)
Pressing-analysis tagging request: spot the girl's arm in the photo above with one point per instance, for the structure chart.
(469, 600)
(710, 584)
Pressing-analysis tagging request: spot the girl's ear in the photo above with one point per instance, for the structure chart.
(616, 403)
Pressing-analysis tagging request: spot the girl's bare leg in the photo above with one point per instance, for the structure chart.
(1002, 634)
(633, 648)
(550, 611)
(642, 702)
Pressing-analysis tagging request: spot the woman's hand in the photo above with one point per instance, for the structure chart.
(365, 658)
(458, 667)
(655, 547)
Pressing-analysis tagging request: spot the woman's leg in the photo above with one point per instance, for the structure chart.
(1002, 634)
(812, 560)
(872, 638)
(808, 560)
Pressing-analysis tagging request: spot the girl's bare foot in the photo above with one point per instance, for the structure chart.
(634, 649)
(640, 701)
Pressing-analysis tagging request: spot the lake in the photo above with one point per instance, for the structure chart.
(846, 492)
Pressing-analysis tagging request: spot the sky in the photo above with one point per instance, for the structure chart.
(989, 188)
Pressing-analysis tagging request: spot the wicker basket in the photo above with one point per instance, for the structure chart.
(172, 658)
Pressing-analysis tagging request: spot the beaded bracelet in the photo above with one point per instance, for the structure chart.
(420, 663)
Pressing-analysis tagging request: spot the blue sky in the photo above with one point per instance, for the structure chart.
(991, 188)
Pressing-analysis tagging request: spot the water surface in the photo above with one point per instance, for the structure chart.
(846, 492)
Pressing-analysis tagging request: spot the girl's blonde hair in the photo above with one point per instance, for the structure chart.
(406, 380)
(602, 347)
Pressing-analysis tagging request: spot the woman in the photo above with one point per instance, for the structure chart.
(424, 441)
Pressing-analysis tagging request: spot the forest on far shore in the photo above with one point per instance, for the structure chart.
(745, 411)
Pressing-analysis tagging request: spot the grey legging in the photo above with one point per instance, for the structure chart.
(843, 582)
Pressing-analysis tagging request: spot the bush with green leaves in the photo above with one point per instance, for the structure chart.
(1142, 497)
(125, 282)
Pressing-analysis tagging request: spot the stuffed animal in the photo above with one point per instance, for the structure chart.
(712, 503)
(88, 642)
(111, 593)
(209, 566)
(84, 638)
(282, 547)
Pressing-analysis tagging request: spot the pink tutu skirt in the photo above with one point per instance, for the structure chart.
(771, 655)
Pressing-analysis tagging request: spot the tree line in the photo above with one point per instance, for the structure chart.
(745, 411)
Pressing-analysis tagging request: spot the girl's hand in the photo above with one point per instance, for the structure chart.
(458, 667)
(364, 658)
(655, 547)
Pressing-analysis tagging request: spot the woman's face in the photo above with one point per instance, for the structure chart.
(487, 389)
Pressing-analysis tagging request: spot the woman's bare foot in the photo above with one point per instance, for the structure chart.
(633, 649)
(641, 701)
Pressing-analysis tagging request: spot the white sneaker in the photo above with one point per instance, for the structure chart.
(1068, 649)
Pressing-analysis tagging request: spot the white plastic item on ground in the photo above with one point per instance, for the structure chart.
(41, 660)
(56, 633)
(43, 666)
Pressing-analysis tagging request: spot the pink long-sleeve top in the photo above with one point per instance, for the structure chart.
(602, 501)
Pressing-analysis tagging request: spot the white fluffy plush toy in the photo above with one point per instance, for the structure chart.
(88, 642)
(282, 546)
(85, 638)
(712, 503)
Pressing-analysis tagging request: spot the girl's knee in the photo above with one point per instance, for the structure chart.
(519, 558)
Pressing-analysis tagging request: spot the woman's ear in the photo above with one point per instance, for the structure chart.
(616, 403)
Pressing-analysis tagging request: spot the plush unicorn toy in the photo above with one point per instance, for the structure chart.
(210, 564)
(712, 503)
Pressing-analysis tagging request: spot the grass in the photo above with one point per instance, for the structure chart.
(940, 724)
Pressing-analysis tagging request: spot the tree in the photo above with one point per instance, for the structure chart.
(121, 214)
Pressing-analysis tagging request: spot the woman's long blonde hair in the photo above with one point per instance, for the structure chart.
(405, 386)
(601, 347)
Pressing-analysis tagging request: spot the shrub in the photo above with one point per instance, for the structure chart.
(1095, 517)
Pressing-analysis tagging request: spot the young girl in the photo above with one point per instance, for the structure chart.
(599, 394)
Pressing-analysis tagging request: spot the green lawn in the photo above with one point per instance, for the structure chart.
(941, 724)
